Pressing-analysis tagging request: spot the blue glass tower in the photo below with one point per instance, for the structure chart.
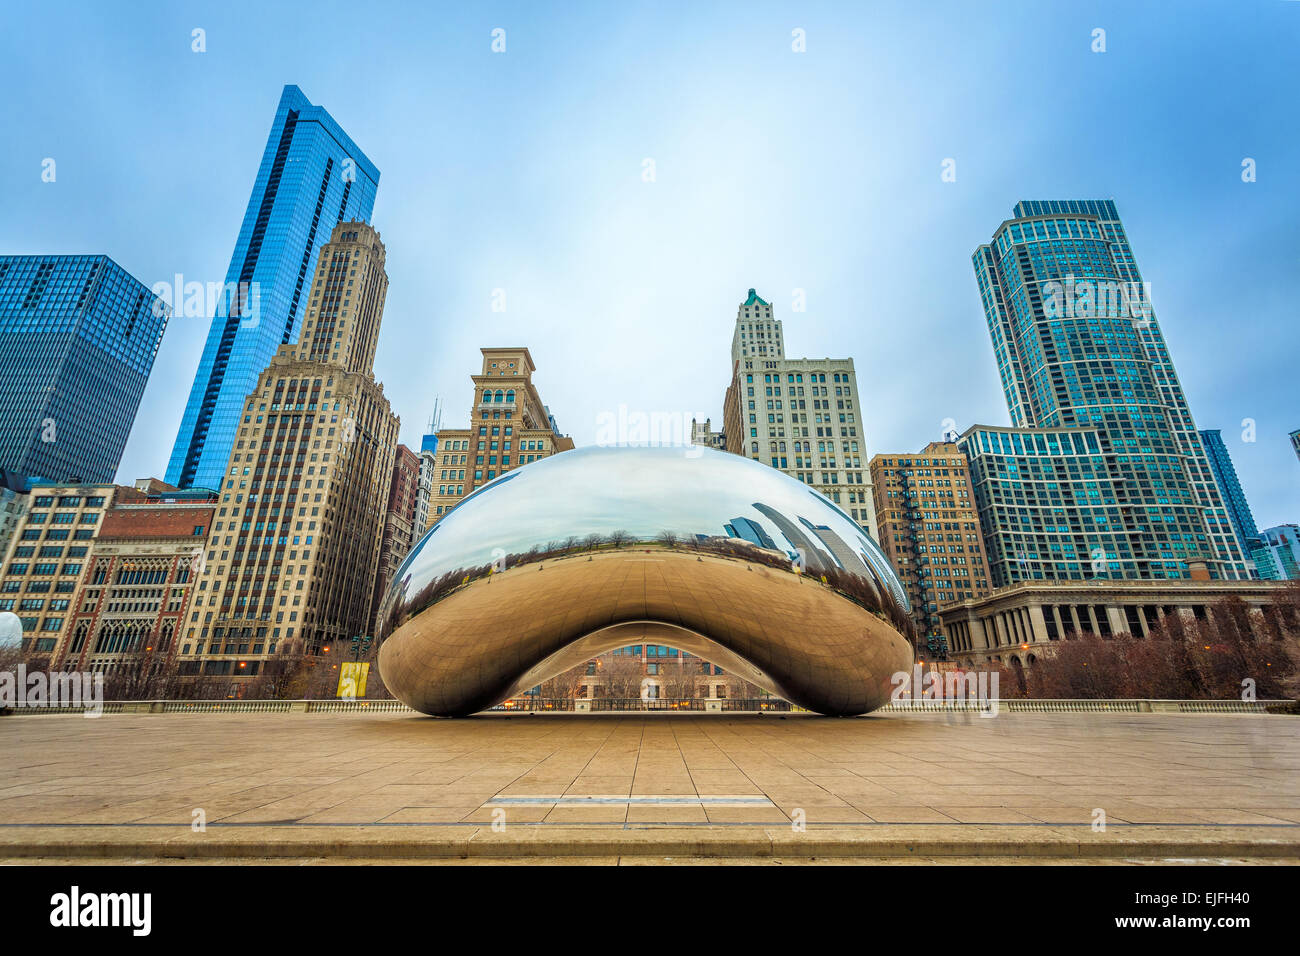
(78, 336)
(1078, 346)
(1234, 499)
(311, 178)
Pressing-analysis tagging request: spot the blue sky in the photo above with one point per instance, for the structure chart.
(779, 170)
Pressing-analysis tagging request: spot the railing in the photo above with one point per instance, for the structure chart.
(747, 705)
(636, 704)
(533, 704)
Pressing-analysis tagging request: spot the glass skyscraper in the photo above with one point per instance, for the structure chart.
(312, 177)
(1078, 347)
(78, 336)
(1234, 499)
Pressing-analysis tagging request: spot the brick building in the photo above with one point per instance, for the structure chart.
(399, 522)
(136, 589)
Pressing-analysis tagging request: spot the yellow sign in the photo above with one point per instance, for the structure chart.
(352, 680)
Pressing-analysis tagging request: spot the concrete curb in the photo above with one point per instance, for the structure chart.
(744, 842)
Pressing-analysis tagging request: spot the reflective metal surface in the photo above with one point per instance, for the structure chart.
(599, 548)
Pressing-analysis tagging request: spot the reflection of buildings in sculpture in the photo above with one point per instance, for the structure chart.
(751, 532)
(804, 551)
(650, 548)
(846, 556)
(703, 434)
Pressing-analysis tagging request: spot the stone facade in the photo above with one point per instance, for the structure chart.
(1019, 623)
(399, 522)
(133, 598)
(796, 415)
(930, 531)
(509, 427)
(294, 551)
(49, 554)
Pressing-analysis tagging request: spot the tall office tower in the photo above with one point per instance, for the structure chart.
(1295, 442)
(311, 178)
(78, 336)
(509, 427)
(427, 480)
(1225, 475)
(767, 406)
(399, 522)
(294, 549)
(930, 531)
(1078, 346)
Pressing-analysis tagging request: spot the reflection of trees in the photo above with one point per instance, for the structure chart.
(861, 591)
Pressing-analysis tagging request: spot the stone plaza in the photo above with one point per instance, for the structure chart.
(644, 787)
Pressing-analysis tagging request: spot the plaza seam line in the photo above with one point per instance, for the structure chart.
(482, 842)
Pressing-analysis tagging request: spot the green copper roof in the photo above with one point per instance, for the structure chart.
(753, 297)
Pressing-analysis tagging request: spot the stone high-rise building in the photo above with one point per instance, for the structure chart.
(294, 549)
(1078, 347)
(399, 521)
(801, 416)
(509, 427)
(930, 531)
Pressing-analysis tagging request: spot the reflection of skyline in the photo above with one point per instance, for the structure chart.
(751, 531)
(811, 556)
(846, 556)
(642, 492)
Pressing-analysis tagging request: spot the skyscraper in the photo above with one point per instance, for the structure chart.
(509, 426)
(312, 177)
(78, 336)
(766, 413)
(1280, 551)
(399, 522)
(294, 551)
(930, 531)
(1234, 499)
(1078, 347)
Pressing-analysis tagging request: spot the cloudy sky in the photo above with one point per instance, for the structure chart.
(782, 170)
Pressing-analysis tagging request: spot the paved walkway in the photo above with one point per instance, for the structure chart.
(609, 785)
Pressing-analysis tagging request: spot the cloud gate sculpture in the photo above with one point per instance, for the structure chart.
(599, 548)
